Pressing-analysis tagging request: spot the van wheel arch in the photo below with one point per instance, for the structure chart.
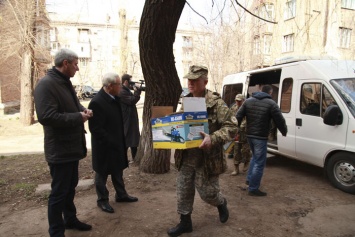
(340, 170)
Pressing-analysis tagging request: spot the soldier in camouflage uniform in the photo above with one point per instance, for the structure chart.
(200, 167)
(242, 153)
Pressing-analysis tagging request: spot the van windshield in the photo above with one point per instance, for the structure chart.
(346, 90)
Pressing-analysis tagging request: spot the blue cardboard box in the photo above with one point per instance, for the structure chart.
(179, 130)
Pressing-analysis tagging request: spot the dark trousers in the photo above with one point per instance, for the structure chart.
(118, 184)
(133, 151)
(61, 199)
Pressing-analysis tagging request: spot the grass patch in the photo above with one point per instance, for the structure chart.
(3, 182)
(26, 188)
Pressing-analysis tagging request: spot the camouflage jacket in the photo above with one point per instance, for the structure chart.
(222, 126)
(242, 127)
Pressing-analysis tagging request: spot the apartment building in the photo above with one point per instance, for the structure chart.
(289, 28)
(111, 45)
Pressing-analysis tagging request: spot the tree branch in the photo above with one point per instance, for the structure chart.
(197, 12)
(273, 22)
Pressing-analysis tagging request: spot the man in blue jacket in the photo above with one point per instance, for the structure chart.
(259, 110)
(63, 117)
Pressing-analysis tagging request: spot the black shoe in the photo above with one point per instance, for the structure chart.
(185, 226)
(105, 207)
(78, 225)
(223, 212)
(257, 193)
(126, 198)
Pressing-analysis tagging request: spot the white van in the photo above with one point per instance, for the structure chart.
(317, 99)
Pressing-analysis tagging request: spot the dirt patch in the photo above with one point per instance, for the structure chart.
(300, 201)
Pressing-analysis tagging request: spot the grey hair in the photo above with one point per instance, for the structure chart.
(109, 77)
(64, 54)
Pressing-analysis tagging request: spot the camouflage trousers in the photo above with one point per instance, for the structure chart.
(190, 177)
(242, 153)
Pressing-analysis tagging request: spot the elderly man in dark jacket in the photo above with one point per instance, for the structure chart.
(63, 117)
(108, 142)
(259, 110)
(130, 114)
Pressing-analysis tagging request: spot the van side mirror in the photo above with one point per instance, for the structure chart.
(333, 116)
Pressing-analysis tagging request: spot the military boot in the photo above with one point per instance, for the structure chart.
(185, 226)
(236, 170)
(223, 211)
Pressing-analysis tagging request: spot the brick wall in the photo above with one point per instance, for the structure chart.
(9, 80)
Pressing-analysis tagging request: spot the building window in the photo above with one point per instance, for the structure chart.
(350, 4)
(344, 37)
(83, 35)
(187, 54)
(267, 12)
(67, 32)
(187, 42)
(287, 44)
(256, 50)
(290, 9)
(53, 34)
(83, 62)
(267, 44)
(55, 45)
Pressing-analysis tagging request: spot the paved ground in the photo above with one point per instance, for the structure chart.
(26, 144)
(30, 142)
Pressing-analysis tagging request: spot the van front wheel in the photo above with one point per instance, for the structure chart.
(341, 171)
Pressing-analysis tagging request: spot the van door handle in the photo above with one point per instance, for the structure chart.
(298, 122)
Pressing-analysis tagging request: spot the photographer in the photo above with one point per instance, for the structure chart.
(129, 112)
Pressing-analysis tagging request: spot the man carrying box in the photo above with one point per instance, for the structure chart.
(200, 167)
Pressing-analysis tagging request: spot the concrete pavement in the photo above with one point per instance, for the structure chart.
(27, 144)
(33, 144)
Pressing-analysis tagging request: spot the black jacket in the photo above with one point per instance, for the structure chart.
(58, 110)
(259, 110)
(107, 137)
(130, 116)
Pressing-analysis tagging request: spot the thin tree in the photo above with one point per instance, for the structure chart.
(156, 37)
(22, 15)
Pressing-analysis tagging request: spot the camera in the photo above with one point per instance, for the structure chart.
(133, 85)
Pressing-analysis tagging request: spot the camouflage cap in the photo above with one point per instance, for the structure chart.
(196, 72)
(239, 97)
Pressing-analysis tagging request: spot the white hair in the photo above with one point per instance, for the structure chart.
(109, 77)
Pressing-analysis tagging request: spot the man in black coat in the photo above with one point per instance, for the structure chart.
(130, 115)
(63, 117)
(108, 145)
(259, 111)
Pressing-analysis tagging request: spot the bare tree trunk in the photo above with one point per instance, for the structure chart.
(156, 37)
(123, 41)
(27, 106)
(27, 65)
